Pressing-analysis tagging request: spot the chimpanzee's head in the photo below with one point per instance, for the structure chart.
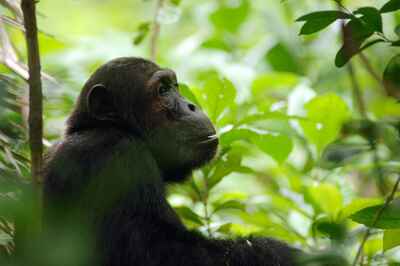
(139, 97)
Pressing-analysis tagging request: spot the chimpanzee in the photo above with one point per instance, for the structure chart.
(130, 134)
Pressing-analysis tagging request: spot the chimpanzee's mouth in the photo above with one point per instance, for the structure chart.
(209, 139)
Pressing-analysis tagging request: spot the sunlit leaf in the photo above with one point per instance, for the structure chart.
(216, 96)
(230, 204)
(264, 83)
(373, 246)
(189, 215)
(230, 18)
(391, 239)
(142, 32)
(325, 114)
(277, 145)
(327, 198)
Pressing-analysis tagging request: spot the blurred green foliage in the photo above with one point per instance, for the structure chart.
(298, 160)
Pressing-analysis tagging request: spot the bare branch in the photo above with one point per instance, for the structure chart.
(35, 90)
(156, 31)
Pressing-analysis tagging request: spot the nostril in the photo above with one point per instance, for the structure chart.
(192, 107)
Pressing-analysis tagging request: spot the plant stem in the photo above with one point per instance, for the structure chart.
(156, 31)
(378, 215)
(35, 89)
(357, 95)
(368, 66)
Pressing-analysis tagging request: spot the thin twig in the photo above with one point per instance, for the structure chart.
(156, 31)
(35, 90)
(368, 66)
(357, 95)
(378, 215)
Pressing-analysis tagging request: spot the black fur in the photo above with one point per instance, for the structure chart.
(108, 176)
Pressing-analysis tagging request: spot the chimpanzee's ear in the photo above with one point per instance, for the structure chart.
(99, 103)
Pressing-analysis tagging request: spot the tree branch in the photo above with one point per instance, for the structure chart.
(156, 31)
(357, 95)
(368, 66)
(35, 89)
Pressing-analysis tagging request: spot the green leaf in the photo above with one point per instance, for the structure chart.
(391, 77)
(373, 246)
(390, 218)
(335, 231)
(319, 20)
(357, 205)
(391, 6)
(282, 59)
(327, 198)
(230, 18)
(218, 94)
(372, 18)
(325, 114)
(230, 204)
(176, 2)
(355, 33)
(277, 145)
(273, 81)
(397, 30)
(391, 239)
(217, 42)
(225, 228)
(189, 215)
(142, 32)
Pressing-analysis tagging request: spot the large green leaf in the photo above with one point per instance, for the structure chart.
(230, 18)
(389, 219)
(325, 114)
(216, 96)
(283, 59)
(277, 145)
(357, 205)
(326, 198)
(266, 82)
(391, 239)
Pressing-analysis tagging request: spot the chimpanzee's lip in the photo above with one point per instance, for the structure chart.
(209, 139)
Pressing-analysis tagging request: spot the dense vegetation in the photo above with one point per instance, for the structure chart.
(309, 124)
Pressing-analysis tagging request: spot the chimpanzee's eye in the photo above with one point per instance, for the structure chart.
(164, 89)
